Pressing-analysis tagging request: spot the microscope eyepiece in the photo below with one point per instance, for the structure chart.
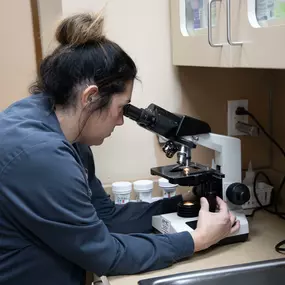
(132, 112)
(144, 117)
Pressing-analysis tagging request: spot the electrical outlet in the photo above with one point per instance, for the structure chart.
(233, 118)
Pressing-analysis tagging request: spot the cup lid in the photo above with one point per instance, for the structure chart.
(164, 183)
(142, 185)
(122, 186)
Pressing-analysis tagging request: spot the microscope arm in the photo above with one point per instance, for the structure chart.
(205, 140)
(227, 154)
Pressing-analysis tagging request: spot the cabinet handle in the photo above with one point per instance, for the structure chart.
(210, 34)
(229, 26)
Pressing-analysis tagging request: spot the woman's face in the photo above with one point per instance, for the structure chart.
(100, 125)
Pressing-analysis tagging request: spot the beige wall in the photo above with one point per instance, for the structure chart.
(143, 31)
(279, 118)
(50, 13)
(278, 89)
(17, 53)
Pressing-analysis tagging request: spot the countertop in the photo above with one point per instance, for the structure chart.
(266, 230)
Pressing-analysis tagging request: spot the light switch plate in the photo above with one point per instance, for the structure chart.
(233, 118)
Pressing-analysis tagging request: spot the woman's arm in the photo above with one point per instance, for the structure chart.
(128, 218)
(52, 202)
(133, 217)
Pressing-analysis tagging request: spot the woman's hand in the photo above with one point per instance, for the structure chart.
(213, 227)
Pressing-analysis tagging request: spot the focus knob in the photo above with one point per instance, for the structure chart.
(238, 193)
(170, 149)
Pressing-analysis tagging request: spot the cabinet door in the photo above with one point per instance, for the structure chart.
(193, 43)
(259, 26)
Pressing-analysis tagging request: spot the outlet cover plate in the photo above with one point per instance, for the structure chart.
(233, 118)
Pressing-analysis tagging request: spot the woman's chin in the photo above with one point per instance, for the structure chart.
(98, 141)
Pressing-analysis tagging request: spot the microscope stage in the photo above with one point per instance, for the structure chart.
(197, 174)
(172, 223)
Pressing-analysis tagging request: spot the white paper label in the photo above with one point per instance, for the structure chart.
(169, 194)
(165, 226)
(122, 198)
(144, 197)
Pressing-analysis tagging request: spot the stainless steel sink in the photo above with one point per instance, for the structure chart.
(258, 273)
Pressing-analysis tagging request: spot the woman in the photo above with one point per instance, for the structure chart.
(50, 231)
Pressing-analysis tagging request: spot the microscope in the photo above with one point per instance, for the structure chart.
(182, 134)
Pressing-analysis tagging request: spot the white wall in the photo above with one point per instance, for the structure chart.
(17, 52)
(142, 29)
(50, 14)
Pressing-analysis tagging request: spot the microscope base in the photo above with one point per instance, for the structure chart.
(172, 223)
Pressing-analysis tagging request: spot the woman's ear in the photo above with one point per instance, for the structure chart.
(89, 95)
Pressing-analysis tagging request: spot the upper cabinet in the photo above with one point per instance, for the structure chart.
(260, 27)
(198, 30)
(228, 33)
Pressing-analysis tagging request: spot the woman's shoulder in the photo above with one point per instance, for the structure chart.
(44, 171)
(47, 153)
(30, 135)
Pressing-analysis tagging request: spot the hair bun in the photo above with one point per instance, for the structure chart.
(81, 29)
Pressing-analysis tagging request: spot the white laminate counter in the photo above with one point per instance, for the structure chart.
(266, 231)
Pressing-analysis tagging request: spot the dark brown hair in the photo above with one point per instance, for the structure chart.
(84, 57)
